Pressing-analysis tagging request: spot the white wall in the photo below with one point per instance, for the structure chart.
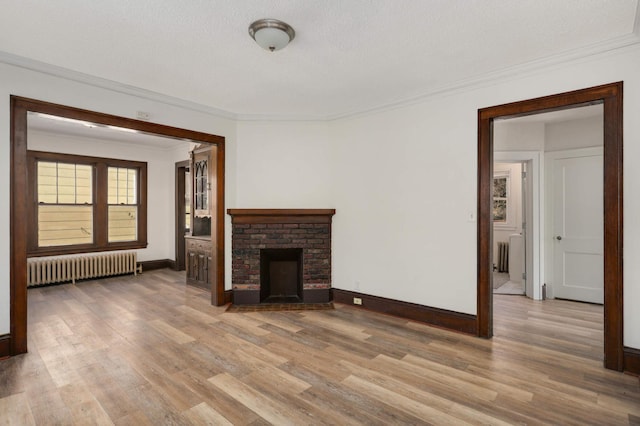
(160, 178)
(405, 186)
(30, 84)
(513, 135)
(406, 182)
(283, 165)
(574, 134)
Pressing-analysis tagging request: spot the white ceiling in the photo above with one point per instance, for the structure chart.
(82, 129)
(348, 56)
(576, 113)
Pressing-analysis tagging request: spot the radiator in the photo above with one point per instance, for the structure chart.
(49, 270)
(503, 256)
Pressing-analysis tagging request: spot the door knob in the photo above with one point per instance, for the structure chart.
(558, 238)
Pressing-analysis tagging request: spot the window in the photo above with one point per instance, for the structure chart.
(506, 196)
(65, 204)
(84, 204)
(500, 198)
(123, 204)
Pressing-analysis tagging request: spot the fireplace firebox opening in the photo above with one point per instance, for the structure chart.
(281, 275)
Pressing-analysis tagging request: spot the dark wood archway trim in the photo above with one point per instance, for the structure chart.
(610, 95)
(18, 139)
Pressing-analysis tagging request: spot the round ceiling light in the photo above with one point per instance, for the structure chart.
(271, 34)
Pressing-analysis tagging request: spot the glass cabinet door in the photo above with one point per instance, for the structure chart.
(201, 189)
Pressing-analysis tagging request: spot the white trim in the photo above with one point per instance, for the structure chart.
(500, 76)
(103, 83)
(536, 228)
(636, 24)
(628, 41)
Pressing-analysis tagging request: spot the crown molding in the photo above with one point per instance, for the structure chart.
(282, 117)
(555, 61)
(103, 83)
(629, 41)
(487, 79)
(636, 23)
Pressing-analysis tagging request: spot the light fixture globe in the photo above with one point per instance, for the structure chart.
(271, 34)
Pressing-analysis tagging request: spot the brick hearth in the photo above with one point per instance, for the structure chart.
(257, 229)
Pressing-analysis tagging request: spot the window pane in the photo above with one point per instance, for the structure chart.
(65, 225)
(64, 183)
(47, 186)
(122, 185)
(113, 186)
(131, 186)
(84, 188)
(66, 189)
(500, 185)
(123, 223)
(499, 210)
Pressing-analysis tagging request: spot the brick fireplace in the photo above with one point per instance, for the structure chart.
(281, 255)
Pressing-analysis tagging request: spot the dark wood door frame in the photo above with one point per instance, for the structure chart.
(18, 207)
(610, 95)
(181, 167)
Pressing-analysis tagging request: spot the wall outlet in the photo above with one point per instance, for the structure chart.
(356, 285)
(357, 301)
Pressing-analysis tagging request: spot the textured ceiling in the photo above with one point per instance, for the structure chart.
(348, 55)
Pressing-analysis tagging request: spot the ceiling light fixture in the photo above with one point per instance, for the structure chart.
(271, 34)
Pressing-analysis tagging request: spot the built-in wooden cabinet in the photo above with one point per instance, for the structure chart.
(200, 257)
(199, 262)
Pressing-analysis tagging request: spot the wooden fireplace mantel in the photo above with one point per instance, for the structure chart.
(281, 215)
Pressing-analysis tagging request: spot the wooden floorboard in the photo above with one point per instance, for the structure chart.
(151, 350)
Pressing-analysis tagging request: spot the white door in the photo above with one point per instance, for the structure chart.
(578, 261)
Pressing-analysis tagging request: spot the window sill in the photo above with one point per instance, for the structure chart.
(59, 251)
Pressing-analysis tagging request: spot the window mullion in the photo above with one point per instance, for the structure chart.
(100, 208)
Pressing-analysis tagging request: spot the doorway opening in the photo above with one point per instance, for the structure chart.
(564, 216)
(509, 226)
(610, 96)
(19, 205)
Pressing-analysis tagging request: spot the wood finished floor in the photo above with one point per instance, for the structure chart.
(150, 350)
